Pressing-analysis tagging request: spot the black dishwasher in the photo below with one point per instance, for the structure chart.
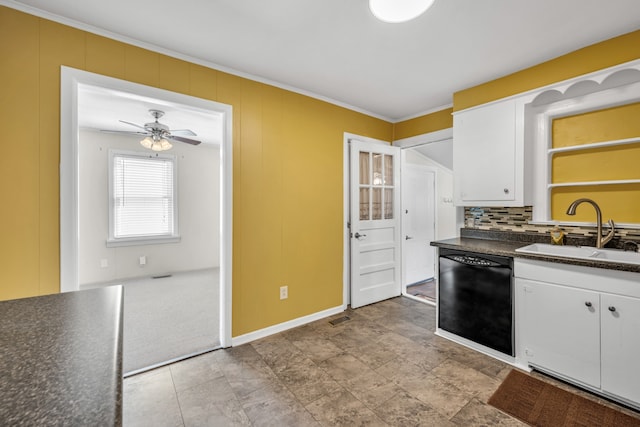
(475, 298)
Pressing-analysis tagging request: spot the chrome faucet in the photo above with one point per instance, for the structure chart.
(600, 241)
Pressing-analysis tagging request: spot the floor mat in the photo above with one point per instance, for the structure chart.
(539, 403)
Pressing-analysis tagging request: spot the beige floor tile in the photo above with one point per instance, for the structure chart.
(149, 399)
(406, 410)
(444, 397)
(373, 355)
(344, 367)
(317, 348)
(467, 379)
(317, 384)
(384, 367)
(477, 413)
(399, 368)
(211, 404)
(372, 389)
(343, 409)
(194, 371)
(274, 408)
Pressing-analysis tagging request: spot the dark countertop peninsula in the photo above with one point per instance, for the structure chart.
(506, 243)
(61, 359)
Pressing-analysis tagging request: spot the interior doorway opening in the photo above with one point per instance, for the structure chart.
(81, 127)
(418, 230)
(427, 168)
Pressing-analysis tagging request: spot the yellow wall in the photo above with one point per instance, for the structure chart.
(605, 54)
(424, 124)
(287, 169)
(620, 201)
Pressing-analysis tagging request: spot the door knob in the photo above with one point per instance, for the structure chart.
(408, 237)
(358, 235)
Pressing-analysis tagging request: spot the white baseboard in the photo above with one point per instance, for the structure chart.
(262, 333)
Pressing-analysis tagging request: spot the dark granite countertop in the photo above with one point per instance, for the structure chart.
(505, 244)
(61, 359)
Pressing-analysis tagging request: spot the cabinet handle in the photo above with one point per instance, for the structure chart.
(588, 304)
(506, 191)
(612, 308)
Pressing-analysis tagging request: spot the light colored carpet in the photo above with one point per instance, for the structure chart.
(170, 318)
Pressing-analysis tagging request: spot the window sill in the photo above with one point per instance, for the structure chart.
(141, 241)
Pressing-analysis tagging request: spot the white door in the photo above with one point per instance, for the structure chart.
(418, 223)
(375, 222)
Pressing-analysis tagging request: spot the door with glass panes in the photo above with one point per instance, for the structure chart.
(375, 225)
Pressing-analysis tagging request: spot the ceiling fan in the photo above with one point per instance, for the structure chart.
(157, 135)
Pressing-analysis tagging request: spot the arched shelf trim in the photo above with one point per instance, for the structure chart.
(592, 83)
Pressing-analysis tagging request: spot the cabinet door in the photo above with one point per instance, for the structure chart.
(484, 151)
(560, 330)
(621, 346)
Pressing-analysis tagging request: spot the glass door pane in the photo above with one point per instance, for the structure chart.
(388, 203)
(388, 170)
(365, 211)
(377, 169)
(365, 167)
(376, 203)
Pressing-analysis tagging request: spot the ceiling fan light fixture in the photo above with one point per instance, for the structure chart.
(156, 144)
(166, 145)
(147, 142)
(395, 11)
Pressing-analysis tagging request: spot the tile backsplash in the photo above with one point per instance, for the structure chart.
(517, 220)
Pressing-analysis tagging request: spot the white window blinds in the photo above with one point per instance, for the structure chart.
(142, 196)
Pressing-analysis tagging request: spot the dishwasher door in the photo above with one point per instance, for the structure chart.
(475, 298)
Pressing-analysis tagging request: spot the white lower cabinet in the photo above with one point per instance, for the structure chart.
(562, 330)
(581, 324)
(620, 337)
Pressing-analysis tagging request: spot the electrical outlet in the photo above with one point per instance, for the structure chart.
(143, 260)
(104, 263)
(284, 292)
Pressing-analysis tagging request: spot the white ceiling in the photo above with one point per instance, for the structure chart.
(102, 109)
(336, 50)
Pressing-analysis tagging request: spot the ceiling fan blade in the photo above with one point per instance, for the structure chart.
(187, 140)
(132, 124)
(125, 132)
(186, 132)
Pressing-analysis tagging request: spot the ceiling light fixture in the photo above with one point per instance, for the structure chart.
(394, 11)
(156, 143)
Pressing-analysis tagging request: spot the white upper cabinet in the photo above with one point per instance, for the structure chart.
(488, 155)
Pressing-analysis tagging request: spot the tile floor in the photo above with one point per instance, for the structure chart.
(425, 290)
(384, 367)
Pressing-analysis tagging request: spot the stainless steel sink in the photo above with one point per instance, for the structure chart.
(583, 252)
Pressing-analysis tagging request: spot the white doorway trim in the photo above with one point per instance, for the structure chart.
(70, 80)
(425, 138)
(346, 248)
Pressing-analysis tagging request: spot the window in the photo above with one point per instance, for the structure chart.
(142, 205)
